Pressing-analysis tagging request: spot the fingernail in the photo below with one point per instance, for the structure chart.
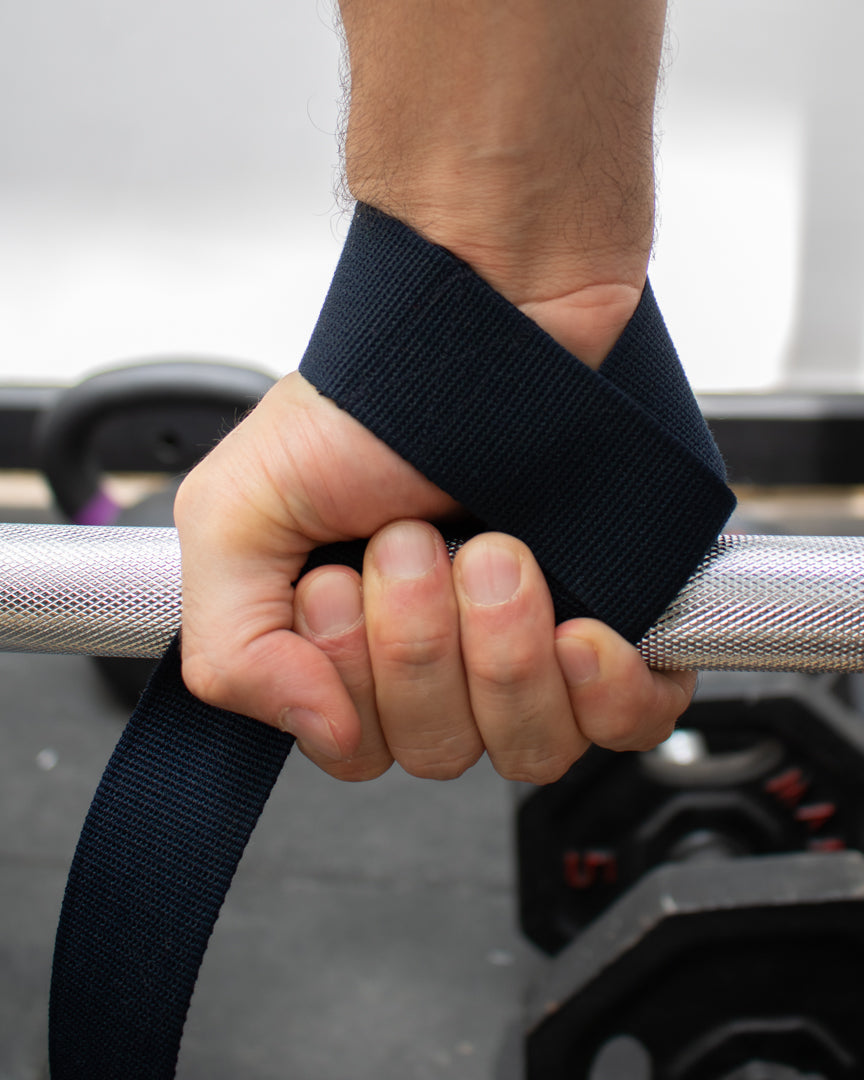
(332, 604)
(577, 659)
(405, 551)
(491, 574)
(311, 727)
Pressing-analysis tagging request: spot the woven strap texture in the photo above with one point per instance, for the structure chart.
(166, 829)
(610, 477)
(613, 480)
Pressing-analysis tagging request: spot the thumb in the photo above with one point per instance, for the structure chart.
(239, 651)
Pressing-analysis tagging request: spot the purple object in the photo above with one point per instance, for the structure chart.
(101, 509)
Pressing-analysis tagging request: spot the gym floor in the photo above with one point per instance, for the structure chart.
(370, 930)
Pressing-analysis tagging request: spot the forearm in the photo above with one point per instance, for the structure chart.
(519, 135)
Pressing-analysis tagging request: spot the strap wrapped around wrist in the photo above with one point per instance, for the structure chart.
(610, 477)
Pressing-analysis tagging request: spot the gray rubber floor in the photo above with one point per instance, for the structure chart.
(370, 932)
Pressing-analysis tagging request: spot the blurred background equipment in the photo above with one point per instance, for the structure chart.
(759, 765)
(149, 417)
(702, 902)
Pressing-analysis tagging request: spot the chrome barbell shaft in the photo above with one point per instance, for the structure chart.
(756, 603)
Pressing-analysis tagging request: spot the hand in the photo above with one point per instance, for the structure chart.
(413, 668)
(300, 472)
(443, 663)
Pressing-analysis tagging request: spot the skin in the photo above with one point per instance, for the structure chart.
(519, 135)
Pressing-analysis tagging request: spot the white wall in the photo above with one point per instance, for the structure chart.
(166, 176)
(760, 259)
(165, 180)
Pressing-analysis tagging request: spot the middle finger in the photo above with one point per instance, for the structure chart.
(518, 693)
(412, 622)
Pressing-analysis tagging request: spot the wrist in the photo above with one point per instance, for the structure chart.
(532, 239)
(589, 321)
(519, 138)
(583, 305)
(536, 215)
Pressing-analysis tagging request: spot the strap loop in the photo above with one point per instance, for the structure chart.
(610, 477)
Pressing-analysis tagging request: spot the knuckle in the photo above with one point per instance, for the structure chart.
(182, 498)
(218, 681)
(357, 771)
(637, 728)
(205, 680)
(540, 771)
(424, 767)
(660, 731)
(350, 656)
(618, 729)
(660, 735)
(426, 652)
(505, 670)
(628, 714)
(187, 500)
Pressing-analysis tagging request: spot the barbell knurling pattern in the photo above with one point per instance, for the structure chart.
(756, 603)
(110, 591)
(767, 603)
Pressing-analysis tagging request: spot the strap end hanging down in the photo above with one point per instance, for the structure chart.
(756, 603)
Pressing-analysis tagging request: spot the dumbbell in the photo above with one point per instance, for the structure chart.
(746, 969)
(164, 416)
(759, 764)
(686, 947)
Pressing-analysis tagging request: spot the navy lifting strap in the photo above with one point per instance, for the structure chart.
(613, 480)
(163, 837)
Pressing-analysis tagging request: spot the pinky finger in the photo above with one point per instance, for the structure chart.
(618, 701)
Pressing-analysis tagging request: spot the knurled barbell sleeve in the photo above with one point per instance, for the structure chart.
(756, 603)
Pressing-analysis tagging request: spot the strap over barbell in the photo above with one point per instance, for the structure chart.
(756, 603)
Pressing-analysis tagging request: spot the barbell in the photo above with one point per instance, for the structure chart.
(755, 603)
